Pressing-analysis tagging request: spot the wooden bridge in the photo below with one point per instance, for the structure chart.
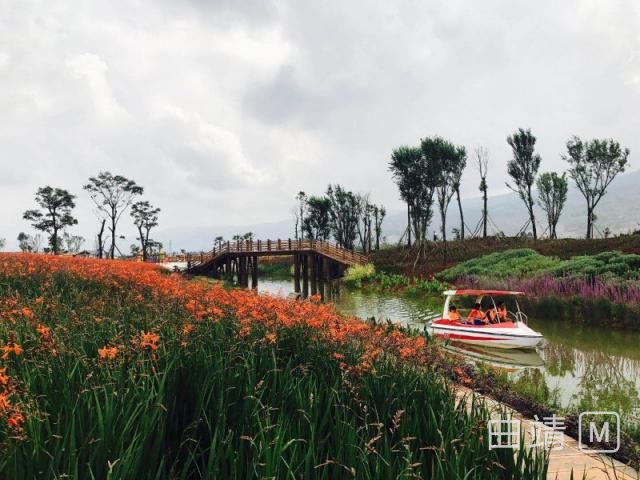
(316, 262)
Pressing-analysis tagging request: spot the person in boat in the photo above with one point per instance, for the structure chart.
(453, 314)
(502, 312)
(477, 316)
(492, 315)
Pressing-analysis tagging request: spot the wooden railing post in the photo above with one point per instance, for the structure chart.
(289, 244)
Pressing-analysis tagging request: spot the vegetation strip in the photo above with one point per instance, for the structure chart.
(117, 370)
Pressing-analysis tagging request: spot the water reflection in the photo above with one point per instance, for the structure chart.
(579, 367)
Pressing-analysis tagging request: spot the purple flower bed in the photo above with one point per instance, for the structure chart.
(614, 290)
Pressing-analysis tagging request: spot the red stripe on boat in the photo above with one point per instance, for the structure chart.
(455, 336)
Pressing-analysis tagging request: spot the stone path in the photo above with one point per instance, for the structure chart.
(563, 461)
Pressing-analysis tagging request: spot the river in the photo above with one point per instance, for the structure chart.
(578, 367)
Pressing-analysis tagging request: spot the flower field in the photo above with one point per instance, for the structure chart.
(118, 370)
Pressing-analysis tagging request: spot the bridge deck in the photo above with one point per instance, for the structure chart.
(273, 248)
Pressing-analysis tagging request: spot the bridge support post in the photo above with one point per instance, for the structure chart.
(305, 276)
(254, 272)
(313, 260)
(296, 273)
(320, 263)
(242, 271)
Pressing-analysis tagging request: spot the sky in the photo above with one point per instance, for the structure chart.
(223, 110)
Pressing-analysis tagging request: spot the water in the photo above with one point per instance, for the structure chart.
(578, 367)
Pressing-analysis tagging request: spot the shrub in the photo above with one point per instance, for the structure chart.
(357, 273)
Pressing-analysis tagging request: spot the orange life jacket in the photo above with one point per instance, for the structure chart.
(454, 316)
(474, 313)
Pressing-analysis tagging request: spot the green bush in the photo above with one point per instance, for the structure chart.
(356, 274)
(525, 262)
(520, 262)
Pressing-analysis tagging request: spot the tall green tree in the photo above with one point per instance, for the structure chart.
(593, 165)
(113, 195)
(299, 213)
(56, 205)
(523, 168)
(459, 164)
(344, 214)
(447, 163)
(145, 218)
(317, 222)
(552, 195)
(379, 212)
(416, 179)
(406, 163)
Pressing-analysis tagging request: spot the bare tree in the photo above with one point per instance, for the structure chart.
(112, 194)
(100, 239)
(482, 159)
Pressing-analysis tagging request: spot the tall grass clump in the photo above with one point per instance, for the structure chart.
(356, 274)
(112, 370)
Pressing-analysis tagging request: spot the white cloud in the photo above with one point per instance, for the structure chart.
(223, 110)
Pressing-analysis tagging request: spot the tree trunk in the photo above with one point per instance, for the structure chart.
(443, 219)
(532, 216)
(589, 222)
(100, 241)
(484, 213)
(461, 215)
(408, 226)
(54, 241)
(112, 250)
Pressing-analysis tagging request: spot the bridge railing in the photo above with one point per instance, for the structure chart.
(278, 246)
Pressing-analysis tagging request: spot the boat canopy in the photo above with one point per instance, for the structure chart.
(476, 293)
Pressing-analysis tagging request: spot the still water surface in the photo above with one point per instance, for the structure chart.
(578, 366)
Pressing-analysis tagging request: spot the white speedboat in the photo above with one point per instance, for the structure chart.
(511, 332)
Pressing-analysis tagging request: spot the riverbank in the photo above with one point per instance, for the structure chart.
(439, 256)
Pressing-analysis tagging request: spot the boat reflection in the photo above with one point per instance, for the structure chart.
(511, 360)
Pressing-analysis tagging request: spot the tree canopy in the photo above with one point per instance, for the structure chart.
(523, 168)
(552, 195)
(145, 217)
(54, 215)
(593, 165)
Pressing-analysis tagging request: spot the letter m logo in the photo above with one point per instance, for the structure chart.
(600, 426)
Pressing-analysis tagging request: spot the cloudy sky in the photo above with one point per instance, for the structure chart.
(224, 109)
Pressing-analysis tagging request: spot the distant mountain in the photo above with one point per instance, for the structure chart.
(617, 210)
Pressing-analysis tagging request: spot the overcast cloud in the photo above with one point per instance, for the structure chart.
(224, 109)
